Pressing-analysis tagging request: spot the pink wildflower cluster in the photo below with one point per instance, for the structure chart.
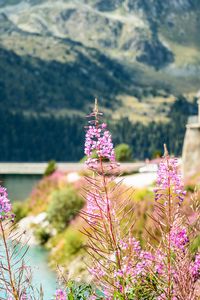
(60, 295)
(5, 205)
(159, 266)
(99, 139)
(135, 265)
(195, 268)
(98, 142)
(168, 177)
(179, 238)
(96, 205)
(140, 261)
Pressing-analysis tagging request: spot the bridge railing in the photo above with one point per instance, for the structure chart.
(193, 120)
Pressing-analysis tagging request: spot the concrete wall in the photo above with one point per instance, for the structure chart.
(191, 150)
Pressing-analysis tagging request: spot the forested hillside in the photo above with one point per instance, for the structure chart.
(39, 138)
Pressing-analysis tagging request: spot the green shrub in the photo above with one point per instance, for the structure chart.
(123, 152)
(51, 168)
(94, 155)
(195, 245)
(20, 209)
(73, 242)
(76, 290)
(140, 290)
(157, 153)
(84, 158)
(83, 291)
(190, 188)
(66, 245)
(64, 206)
(42, 235)
(143, 194)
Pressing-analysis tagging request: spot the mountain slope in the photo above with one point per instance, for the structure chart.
(136, 56)
(117, 49)
(136, 29)
(31, 83)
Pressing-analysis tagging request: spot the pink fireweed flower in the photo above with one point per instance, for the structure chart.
(118, 273)
(5, 205)
(168, 176)
(97, 271)
(140, 262)
(195, 267)
(159, 262)
(179, 238)
(99, 141)
(130, 243)
(96, 206)
(60, 295)
(145, 261)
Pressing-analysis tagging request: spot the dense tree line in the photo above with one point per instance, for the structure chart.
(30, 138)
(39, 138)
(147, 140)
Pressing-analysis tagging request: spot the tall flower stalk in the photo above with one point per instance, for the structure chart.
(170, 193)
(105, 214)
(175, 258)
(118, 259)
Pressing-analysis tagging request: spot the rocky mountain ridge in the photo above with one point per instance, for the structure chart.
(139, 57)
(133, 27)
(123, 50)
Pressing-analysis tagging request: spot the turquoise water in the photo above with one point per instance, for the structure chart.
(42, 274)
(36, 257)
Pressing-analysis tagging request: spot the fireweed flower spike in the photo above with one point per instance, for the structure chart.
(5, 205)
(168, 192)
(98, 141)
(179, 238)
(195, 267)
(176, 278)
(168, 177)
(118, 260)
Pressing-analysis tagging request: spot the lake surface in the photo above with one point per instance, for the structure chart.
(19, 186)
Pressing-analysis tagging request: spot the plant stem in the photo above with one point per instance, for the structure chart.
(110, 221)
(169, 238)
(14, 291)
(111, 226)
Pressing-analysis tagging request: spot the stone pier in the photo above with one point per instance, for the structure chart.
(191, 146)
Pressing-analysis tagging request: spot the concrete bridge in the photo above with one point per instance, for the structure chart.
(39, 168)
(36, 168)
